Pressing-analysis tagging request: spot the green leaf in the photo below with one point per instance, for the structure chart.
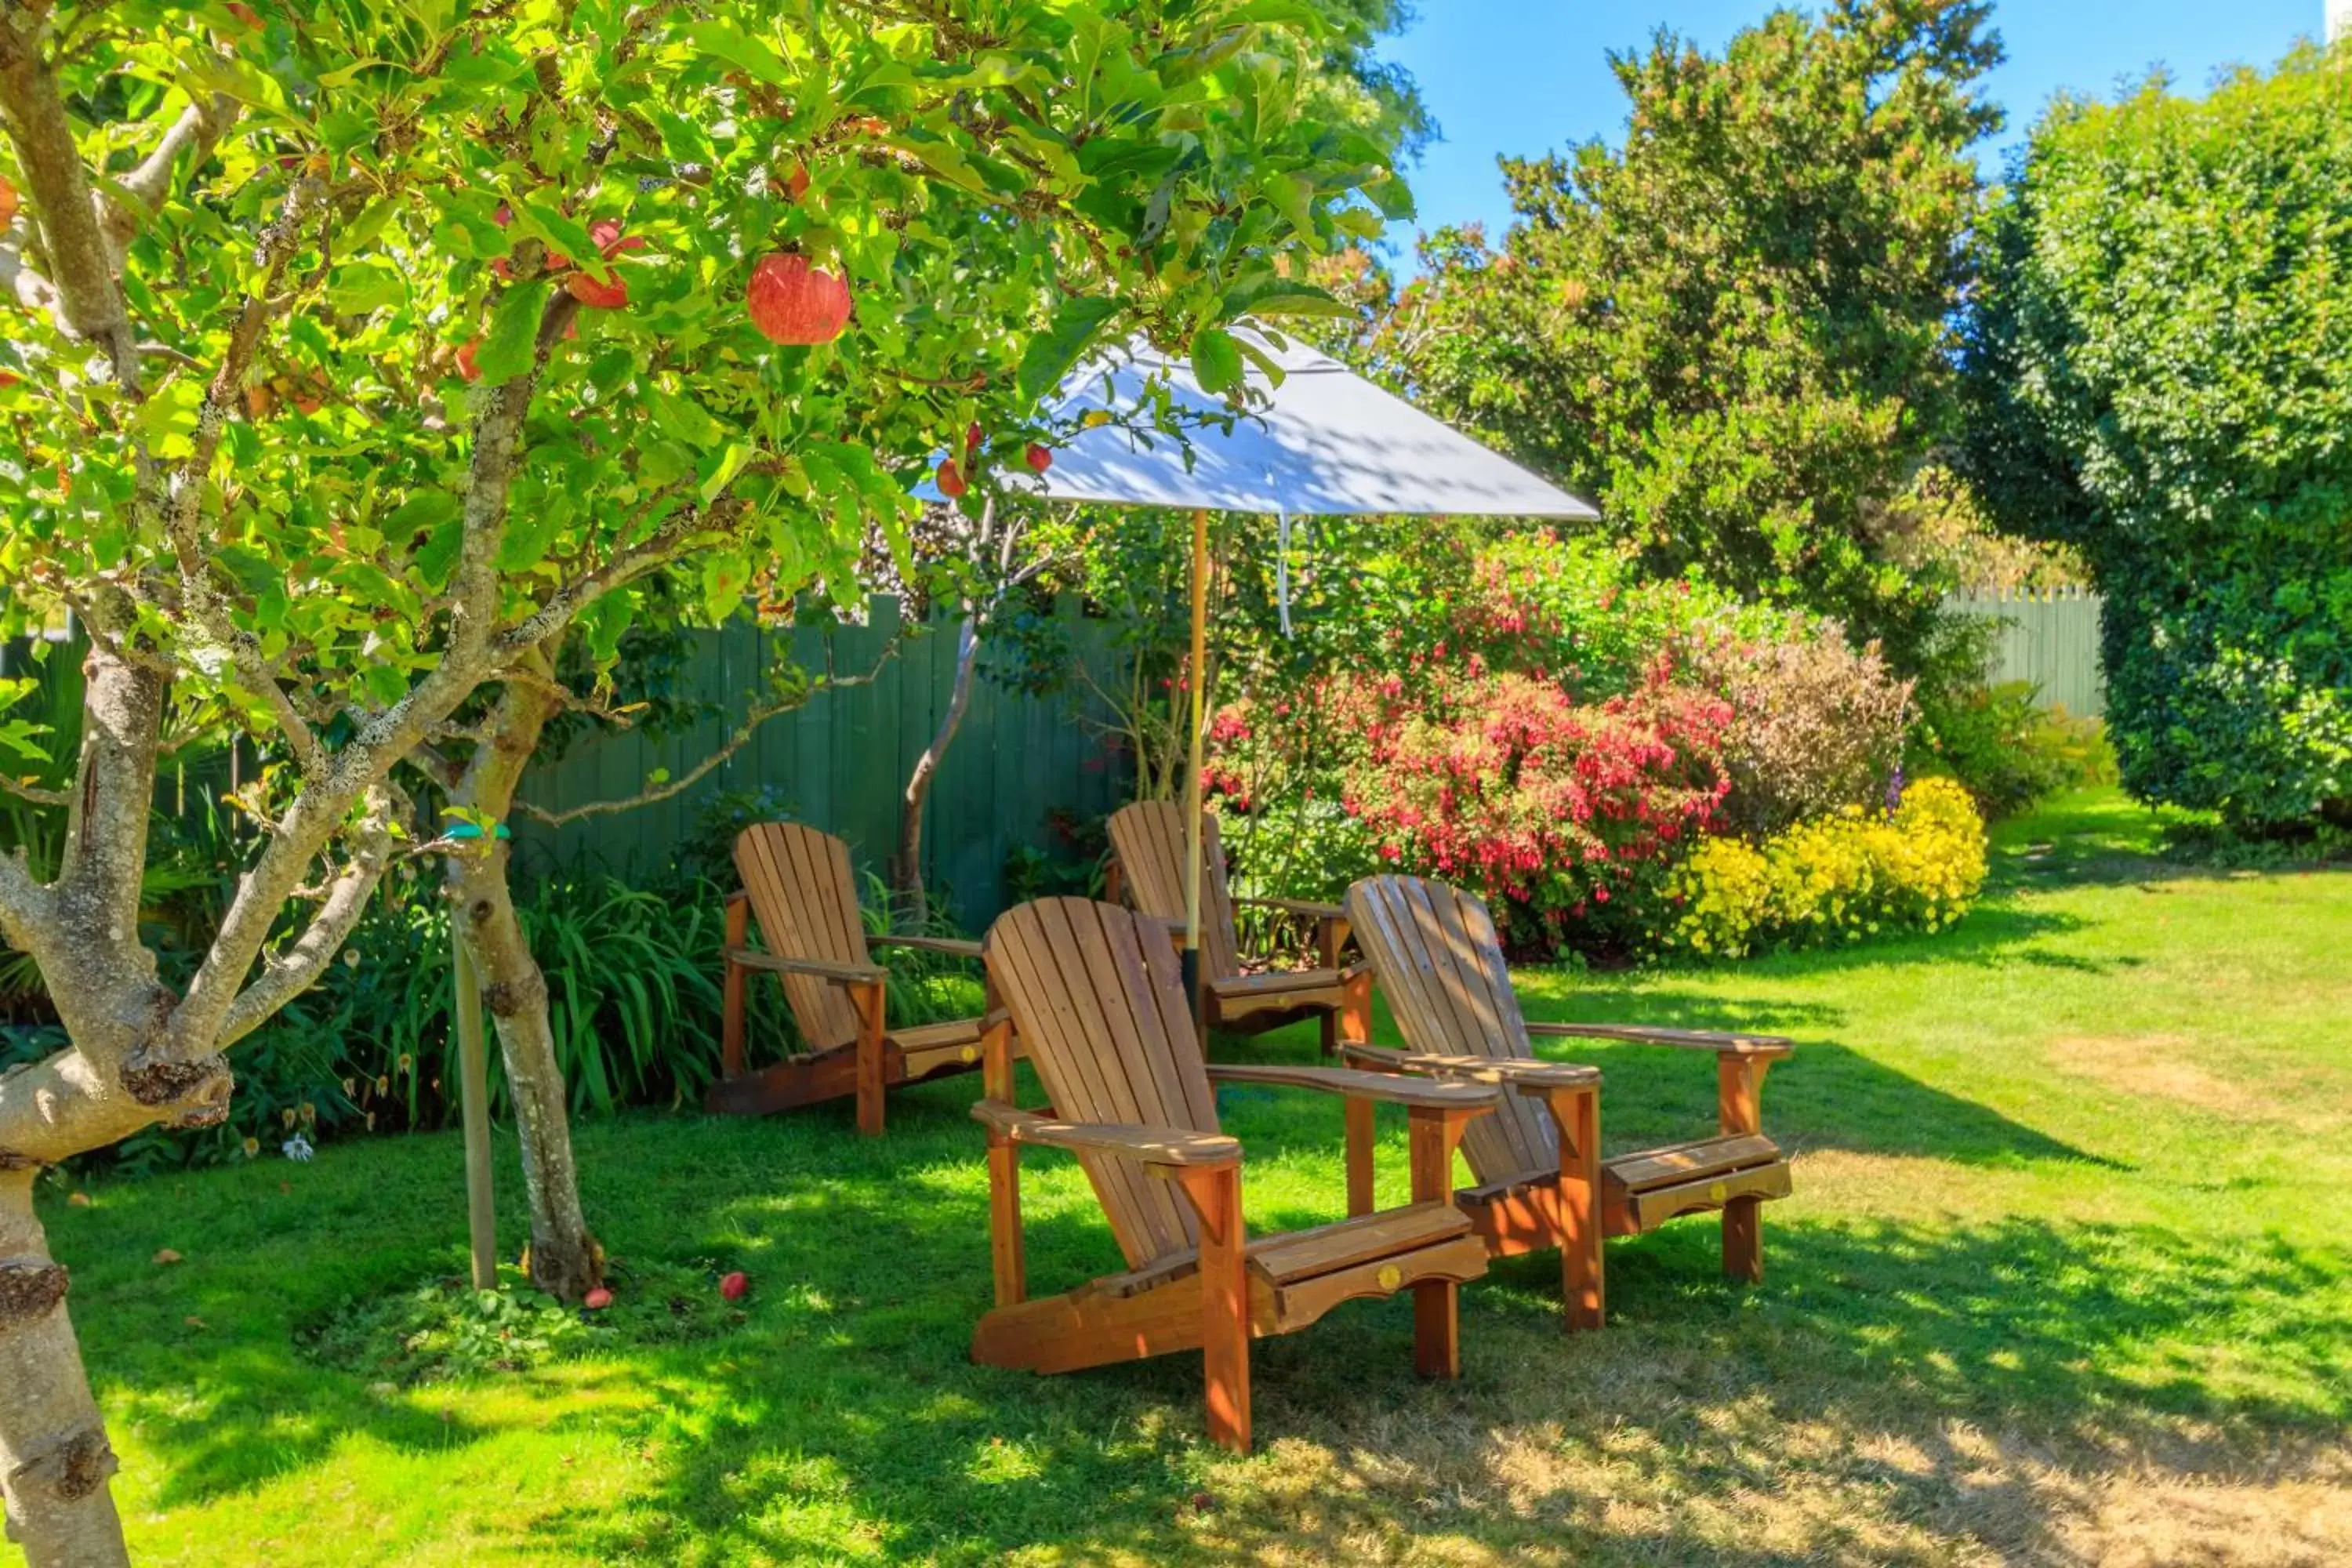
(1394, 198)
(508, 349)
(746, 54)
(1051, 354)
(1280, 297)
(724, 579)
(730, 463)
(1216, 361)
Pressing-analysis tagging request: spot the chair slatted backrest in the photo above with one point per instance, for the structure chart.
(1097, 998)
(805, 899)
(1148, 839)
(1440, 964)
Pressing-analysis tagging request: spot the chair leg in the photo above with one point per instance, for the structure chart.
(730, 1015)
(1437, 1329)
(1582, 1294)
(1360, 1156)
(1743, 1240)
(870, 1002)
(1216, 1194)
(1354, 1023)
(1432, 1135)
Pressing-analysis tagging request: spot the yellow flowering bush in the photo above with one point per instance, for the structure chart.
(1843, 878)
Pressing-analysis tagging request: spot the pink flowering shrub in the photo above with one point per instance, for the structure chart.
(1549, 809)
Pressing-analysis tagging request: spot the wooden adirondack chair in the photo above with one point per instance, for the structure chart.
(1147, 868)
(1097, 996)
(797, 883)
(1541, 1177)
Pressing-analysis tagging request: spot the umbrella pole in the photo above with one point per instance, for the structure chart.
(1195, 682)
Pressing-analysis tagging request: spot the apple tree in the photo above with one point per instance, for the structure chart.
(359, 353)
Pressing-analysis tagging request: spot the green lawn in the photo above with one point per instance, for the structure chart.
(2066, 1278)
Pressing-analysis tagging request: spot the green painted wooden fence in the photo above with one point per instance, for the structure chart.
(2050, 639)
(841, 761)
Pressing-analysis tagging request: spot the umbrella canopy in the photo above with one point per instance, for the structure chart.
(1324, 443)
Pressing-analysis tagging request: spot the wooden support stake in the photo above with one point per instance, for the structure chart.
(474, 1096)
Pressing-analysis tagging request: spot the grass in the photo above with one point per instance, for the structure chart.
(2065, 1279)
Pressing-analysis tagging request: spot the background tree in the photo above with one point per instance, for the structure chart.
(1735, 331)
(256, 256)
(2160, 377)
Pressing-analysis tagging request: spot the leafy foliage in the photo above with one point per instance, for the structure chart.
(1844, 877)
(1815, 725)
(2161, 379)
(1736, 329)
(1506, 784)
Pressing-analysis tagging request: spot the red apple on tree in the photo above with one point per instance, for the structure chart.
(952, 480)
(596, 294)
(1039, 458)
(465, 366)
(7, 202)
(791, 302)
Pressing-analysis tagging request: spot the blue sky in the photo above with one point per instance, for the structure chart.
(1525, 76)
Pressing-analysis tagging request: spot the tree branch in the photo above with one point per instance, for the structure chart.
(199, 126)
(287, 974)
(666, 544)
(35, 794)
(741, 736)
(81, 267)
(364, 764)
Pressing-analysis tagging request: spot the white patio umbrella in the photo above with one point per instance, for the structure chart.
(1325, 442)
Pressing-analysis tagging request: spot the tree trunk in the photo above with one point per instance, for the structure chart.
(54, 1454)
(909, 860)
(566, 1260)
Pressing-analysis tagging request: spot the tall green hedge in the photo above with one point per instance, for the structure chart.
(2161, 374)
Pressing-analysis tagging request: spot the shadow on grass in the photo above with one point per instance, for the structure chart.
(845, 1416)
(1827, 1095)
(1878, 1332)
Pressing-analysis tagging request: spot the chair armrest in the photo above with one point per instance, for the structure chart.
(1684, 1039)
(1525, 1077)
(1298, 907)
(847, 973)
(1388, 1087)
(961, 949)
(1171, 1146)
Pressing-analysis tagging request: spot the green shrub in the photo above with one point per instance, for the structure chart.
(2162, 378)
(2007, 749)
(1838, 878)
